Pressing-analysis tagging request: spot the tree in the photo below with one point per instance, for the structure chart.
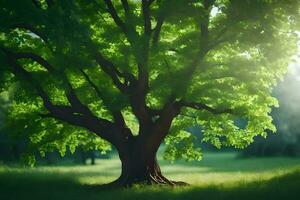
(137, 73)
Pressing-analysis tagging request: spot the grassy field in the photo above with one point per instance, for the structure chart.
(217, 176)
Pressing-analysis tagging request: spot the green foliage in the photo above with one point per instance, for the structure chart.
(45, 134)
(244, 54)
(181, 146)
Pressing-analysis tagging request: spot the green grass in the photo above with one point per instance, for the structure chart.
(218, 176)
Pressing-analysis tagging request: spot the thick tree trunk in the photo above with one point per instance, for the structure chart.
(135, 171)
(140, 167)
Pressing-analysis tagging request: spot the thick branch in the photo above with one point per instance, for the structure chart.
(138, 98)
(65, 113)
(71, 95)
(22, 73)
(162, 125)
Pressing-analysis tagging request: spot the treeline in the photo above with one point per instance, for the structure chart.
(13, 150)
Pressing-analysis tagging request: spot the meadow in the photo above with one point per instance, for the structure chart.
(217, 176)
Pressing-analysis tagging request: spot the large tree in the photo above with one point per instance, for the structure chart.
(137, 73)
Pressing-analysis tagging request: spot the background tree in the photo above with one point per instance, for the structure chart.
(136, 73)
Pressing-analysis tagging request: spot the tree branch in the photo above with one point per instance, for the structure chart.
(21, 72)
(146, 14)
(109, 68)
(204, 24)
(204, 47)
(93, 85)
(65, 113)
(157, 30)
(36, 58)
(115, 16)
(125, 6)
(70, 93)
(74, 100)
(162, 125)
(29, 28)
(118, 117)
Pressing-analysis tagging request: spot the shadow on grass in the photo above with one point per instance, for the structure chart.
(42, 186)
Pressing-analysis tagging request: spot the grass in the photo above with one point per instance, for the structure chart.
(218, 176)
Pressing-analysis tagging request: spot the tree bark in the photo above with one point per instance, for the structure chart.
(140, 167)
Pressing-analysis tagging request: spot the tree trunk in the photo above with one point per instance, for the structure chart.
(93, 157)
(139, 167)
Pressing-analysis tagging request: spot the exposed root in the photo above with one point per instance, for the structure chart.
(123, 182)
(161, 180)
(156, 179)
(142, 176)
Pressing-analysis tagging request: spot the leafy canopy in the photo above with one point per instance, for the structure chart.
(219, 59)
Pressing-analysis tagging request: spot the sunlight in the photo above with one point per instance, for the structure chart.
(214, 11)
(294, 66)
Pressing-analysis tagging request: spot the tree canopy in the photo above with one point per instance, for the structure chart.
(149, 69)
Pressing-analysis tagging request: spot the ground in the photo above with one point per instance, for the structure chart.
(218, 176)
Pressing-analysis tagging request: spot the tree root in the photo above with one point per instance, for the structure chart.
(127, 182)
(159, 180)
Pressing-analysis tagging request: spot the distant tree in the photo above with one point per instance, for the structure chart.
(137, 73)
(10, 146)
